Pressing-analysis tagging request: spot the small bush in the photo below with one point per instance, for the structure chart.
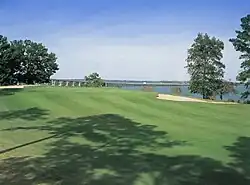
(230, 100)
(94, 80)
(246, 102)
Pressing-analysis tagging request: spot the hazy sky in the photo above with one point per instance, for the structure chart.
(124, 39)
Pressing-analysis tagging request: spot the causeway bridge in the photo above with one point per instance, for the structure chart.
(119, 83)
(129, 83)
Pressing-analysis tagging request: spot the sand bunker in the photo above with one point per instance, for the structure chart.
(12, 87)
(187, 99)
(17, 86)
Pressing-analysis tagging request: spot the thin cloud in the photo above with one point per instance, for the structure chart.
(153, 56)
(153, 49)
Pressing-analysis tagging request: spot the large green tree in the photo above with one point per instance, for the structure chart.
(25, 61)
(242, 44)
(204, 65)
(8, 64)
(37, 65)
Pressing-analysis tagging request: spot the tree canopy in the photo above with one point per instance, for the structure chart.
(242, 44)
(94, 80)
(25, 61)
(204, 65)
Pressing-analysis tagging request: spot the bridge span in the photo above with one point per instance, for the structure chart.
(117, 83)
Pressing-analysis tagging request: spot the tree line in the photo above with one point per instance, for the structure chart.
(25, 61)
(206, 69)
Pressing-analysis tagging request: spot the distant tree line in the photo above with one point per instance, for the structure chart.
(25, 61)
(206, 69)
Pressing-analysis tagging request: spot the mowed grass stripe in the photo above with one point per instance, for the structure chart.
(199, 112)
(133, 109)
(199, 124)
(175, 109)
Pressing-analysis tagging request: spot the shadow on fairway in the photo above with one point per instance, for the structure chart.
(8, 92)
(118, 151)
(240, 152)
(26, 144)
(29, 114)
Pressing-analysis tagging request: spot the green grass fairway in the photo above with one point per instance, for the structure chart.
(80, 136)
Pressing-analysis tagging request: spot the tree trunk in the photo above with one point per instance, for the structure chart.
(203, 83)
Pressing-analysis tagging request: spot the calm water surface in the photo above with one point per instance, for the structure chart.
(185, 91)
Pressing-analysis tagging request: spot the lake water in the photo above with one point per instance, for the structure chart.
(185, 91)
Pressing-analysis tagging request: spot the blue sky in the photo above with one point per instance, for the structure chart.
(132, 39)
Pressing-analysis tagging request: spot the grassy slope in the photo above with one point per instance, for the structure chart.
(200, 131)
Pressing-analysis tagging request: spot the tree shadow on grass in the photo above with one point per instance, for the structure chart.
(116, 151)
(240, 152)
(29, 114)
(8, 92)
(26, 144)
